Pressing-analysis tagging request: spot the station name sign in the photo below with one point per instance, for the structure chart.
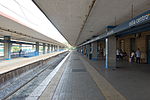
(139, 20)
(142, 18)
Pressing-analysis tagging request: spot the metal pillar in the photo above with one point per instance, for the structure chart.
(7, 48)
(88, 50)
(106, 41)
(51, 48)
(37, 48)
(33, 47)
(54, 47)
(58, 48)
(44, 48)
(48, 48)
(111, 52)
(94, 51)
(83, 49)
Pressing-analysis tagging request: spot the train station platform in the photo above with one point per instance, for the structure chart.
(9, 65)
(130, 79)
(76, 79)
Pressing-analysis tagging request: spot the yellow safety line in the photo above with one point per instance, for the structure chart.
(109, 92)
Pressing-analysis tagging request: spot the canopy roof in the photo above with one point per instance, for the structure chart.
(21, 32)
(80, 20)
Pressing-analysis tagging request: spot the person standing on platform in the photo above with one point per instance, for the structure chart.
(20, 52)
(132, 56)
(138, 56)
(118, 54)
(102, 53)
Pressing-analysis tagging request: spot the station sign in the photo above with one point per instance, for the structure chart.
(141, 19)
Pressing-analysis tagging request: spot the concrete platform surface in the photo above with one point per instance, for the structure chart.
(78, 80)
(130, 79)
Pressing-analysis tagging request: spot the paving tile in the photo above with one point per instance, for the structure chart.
(106, 88)
(77, 85)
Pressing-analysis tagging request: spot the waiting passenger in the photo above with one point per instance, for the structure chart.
(102, 52)
(20, 51)
(138, 56)
(121, 54)
(118, 54)
(132, 56)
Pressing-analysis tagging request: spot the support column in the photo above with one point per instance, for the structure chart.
(81, 50)
(44, 48)
(7, 48)
(94, 51)
(58, 48)
(48, 48)
(111, 52)
(51, 48)
(37, 48)
(88, 50)
(62, 48)
(84, 50)
(55, 47)
(33, 47)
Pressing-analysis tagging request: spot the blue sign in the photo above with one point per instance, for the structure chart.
(145, 17)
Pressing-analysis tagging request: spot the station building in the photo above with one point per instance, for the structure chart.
(127, 37)
(93, 71)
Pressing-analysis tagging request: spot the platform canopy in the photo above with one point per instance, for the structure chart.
(21, 32)
(80, 20)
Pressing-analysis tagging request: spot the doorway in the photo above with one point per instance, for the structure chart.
(133, 45)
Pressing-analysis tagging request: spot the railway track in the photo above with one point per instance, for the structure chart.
(26, 83)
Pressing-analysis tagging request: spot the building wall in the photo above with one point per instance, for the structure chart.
(140, 42)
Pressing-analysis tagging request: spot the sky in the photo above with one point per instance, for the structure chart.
(26, 12)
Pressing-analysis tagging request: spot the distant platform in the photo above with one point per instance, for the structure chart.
(8, 65)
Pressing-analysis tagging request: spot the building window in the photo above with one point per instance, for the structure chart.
(122, 45)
